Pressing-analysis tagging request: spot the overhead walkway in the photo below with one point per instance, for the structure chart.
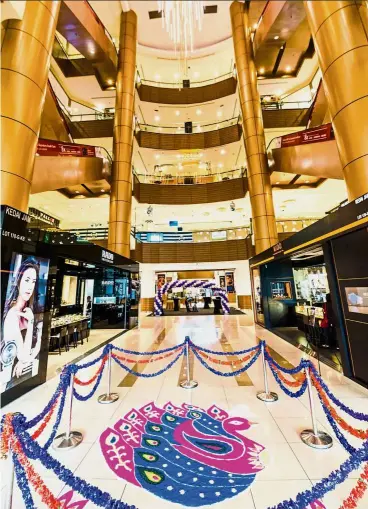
(73, 169)
(311, 152)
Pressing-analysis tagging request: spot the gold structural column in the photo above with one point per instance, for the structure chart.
(25, 62)
(260, 190)
(340, 34)
(121, 183)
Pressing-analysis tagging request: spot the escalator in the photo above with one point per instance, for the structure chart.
(73, 169)
(53, 123)
(312, 152)
(81, 27)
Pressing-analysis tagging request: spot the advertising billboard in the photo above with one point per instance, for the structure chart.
(22, 320)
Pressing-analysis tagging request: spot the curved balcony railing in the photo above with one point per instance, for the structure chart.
(168, 179)
(197, 128)
(179, 84)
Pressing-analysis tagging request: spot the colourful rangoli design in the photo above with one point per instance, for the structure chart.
(183, 454)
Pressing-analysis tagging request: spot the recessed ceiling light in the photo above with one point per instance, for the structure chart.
(110, 82)
(220, 165)
(176, 75)
(199, 112)
(157, 118)
(261, 70)
(157, 77)
(102, 190)
(222, 151)
(157, 156)
(219, 113)
(288, 68)
(307, 181)
(177, 113)
(277, 182)
(276, 37)
(76, 192)
(196, 74)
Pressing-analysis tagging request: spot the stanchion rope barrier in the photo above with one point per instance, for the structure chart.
(21, 444)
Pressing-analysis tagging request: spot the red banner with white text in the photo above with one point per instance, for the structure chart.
(313, 135)
(56, 148)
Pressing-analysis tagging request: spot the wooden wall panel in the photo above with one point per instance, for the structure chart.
(193, 95)
(163, 194)
(245, 301)
(146, 304)
(147, 252)
(164, 141)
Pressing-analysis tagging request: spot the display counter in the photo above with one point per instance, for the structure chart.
(309, 311)
(62, 321)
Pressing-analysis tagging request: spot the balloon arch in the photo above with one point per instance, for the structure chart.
(185, 283)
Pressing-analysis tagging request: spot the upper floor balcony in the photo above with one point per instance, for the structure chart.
(166, 189)
(189, 137)
(187, 92)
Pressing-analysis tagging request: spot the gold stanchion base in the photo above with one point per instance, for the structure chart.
(189, 384)
(66, 442)
(267, 397)
(320, 441)
(108, 398)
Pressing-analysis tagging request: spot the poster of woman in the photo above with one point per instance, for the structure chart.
(22, 320)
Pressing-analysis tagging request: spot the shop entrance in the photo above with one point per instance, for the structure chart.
(292, 298)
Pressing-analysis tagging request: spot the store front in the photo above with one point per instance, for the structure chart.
(178, 300)
(312, 289)
(54, 294)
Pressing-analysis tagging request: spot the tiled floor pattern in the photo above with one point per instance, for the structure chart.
(291, 466)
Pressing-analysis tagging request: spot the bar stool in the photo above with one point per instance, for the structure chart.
(71, 330)
(85, 330)
(55, 338)
(78, 333)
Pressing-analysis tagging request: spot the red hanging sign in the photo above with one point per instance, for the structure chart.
(56, 148)
(313, 135)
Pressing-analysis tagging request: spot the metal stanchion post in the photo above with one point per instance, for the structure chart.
(313, 437)
(188, 383)
(266, 395)
(108, 397)
(69, 439)
(10, 487)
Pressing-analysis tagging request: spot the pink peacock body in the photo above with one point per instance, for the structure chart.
(183, 454)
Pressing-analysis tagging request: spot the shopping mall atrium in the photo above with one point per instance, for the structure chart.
(184, 226)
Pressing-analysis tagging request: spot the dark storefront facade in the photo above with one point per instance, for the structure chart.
(48, 285)
(312, 289)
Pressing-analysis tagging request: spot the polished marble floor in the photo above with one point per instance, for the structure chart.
(97, 339)
(290, 465)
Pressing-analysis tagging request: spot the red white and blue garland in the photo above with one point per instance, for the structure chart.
(18, 441)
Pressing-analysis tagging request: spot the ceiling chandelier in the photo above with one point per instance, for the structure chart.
(181, 18)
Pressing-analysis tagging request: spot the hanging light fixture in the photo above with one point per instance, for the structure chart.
(180, 18)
